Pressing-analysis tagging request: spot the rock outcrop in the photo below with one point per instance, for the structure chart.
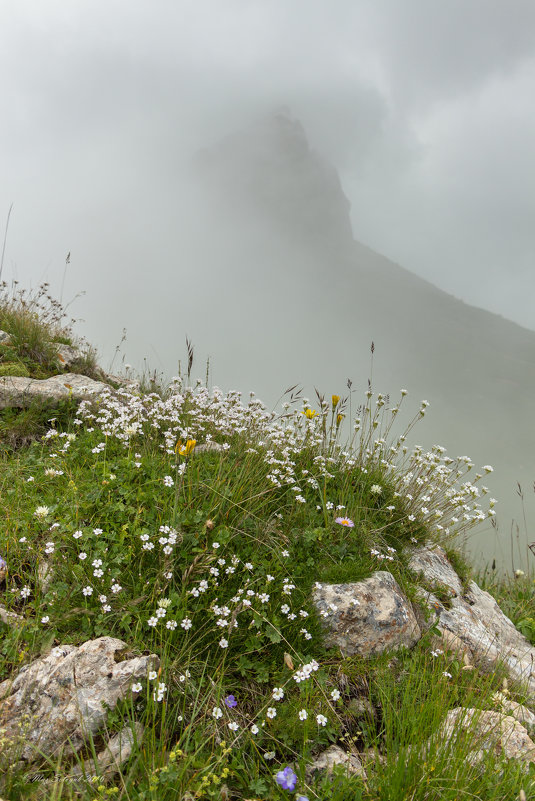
(367, 617)
(474, 619)
(20, 392)
(488, 731)
(333, 757)
(59, 701)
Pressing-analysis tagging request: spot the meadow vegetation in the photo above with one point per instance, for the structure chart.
(193, 524)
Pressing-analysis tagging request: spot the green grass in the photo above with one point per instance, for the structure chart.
(183, 544)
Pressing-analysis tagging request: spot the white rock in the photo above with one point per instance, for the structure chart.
(21, 392)
(10, 618)
(67, 354)
(518, 711)
(333, 756)
(487, 731)
(476, 619)
(108, 762)
(57, 701)
(367, 617)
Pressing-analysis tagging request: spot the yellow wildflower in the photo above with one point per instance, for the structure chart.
(185, 450)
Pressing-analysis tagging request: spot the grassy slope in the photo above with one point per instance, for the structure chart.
(208, 559)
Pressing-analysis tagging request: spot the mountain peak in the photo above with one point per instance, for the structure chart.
(270, 169)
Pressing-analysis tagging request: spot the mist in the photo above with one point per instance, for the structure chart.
(250, 175)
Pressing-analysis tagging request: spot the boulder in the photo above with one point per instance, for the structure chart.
(117, 751)
(475, 619)
(58, 701)
(21, 392)
(332, 757)
(518, 711)
(488, 731)
(67, 355)
(367, 617)
(10, 618)
(209, 446)
(4, 338)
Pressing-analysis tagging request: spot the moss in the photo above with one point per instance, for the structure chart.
(14, 369)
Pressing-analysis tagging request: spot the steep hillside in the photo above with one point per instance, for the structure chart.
(300, 300)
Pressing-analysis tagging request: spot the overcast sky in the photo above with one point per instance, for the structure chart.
(425, 107)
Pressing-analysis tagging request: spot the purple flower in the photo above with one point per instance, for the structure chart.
(344, 521)
(301, 798)
(230, 701)
(286, 778)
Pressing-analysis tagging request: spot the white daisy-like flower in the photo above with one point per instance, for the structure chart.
(271, 712)
(303, 714)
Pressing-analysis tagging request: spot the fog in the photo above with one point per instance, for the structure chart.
(134, 137)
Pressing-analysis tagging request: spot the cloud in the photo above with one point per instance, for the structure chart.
(423, 107)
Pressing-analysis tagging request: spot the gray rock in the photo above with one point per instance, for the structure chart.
(209, 446)
(21, 392)
(67, 355)
(10, 618)
(4, 338)
(367, 617)
(476, 620)
(333, 756)
(117, 751)
(488, 731)
(58, 701)
(45, 575)
(518, 711)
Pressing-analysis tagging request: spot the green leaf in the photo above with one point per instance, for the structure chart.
(258, 787)
(273, 634)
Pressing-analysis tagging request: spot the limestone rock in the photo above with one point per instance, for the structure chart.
(488, 731)
(21, 392)
(336, 756)
(45, 575)
(518, 711)
(476, 620)
(4, 338)
(10, 618)
(367, 617)
(58, 701)
(209, 446)
(67, 355)
(117, 751)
